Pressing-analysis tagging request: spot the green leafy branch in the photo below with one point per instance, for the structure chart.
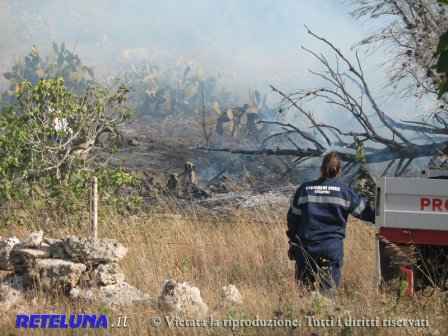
(48, 137)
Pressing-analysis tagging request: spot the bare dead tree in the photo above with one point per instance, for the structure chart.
(408, 40)
(370, 130)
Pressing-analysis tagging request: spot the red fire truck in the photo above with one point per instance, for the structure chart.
(412, 231)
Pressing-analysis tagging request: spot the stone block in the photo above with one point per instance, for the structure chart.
(6, 247)
(181, 298)
(34, 239)
(56, 273)
(96, 250)
(108, 274)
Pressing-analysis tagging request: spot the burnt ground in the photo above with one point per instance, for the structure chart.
(158, 147)
(245, 181)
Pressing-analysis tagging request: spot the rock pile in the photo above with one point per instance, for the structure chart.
(85, 268)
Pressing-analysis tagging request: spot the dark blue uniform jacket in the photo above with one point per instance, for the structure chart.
(319, 210)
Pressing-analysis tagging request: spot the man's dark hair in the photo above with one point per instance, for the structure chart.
(331, 164)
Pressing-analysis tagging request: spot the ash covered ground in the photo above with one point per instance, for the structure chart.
(227, 181)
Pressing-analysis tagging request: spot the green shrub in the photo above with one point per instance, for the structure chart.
(53, 162)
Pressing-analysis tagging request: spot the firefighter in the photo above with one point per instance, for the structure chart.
(317, 219)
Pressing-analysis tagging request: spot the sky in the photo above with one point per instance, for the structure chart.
(259, 40)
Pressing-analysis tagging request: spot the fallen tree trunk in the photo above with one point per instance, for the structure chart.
(370, 137)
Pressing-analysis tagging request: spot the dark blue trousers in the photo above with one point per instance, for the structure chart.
(319, 263)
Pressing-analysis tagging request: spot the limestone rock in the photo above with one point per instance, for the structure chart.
(11, 292)
(82, 293)
(91, 249)
(22, 257)
(113, 295)
(51, 241)
(54, 273)
(39, 253)
(108, 274)
(5, 250)
(181, 298)
(231, 295)
(122, 295)
(34, 239)
(57, 248)
(20, 263)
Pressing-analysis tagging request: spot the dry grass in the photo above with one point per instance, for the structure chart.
(247, 249)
